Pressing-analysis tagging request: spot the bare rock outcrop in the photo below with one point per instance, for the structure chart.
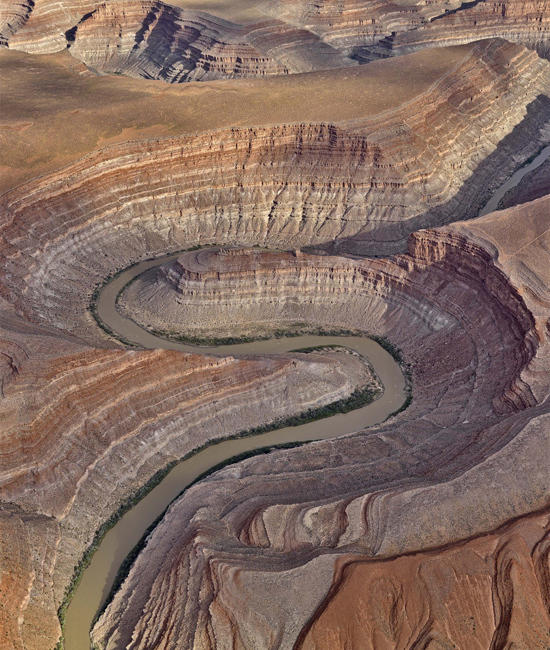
(498, 594)
(519, 21)
(471, 319)
(422, 143)
(320, 34)
(74, 417)
(353, 26)
(364, 184)
(158, 41)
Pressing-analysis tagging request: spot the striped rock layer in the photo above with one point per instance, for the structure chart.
(467, 303)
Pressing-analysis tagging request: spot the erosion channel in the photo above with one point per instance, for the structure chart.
(97, 579)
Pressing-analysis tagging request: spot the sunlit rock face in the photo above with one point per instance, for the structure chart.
(320, 34)
(423, 143)
(469, 317)
(519, 21)
(359, 187)
(158, 41)
(74, 417)
(497, 593)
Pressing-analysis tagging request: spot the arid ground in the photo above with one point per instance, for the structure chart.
(275, 324)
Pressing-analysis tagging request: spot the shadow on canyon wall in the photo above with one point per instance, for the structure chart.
(525, 141)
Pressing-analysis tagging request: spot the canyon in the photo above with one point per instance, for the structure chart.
(304, 180)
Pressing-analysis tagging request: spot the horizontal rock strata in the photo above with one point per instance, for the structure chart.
(74, 417)
(519, 21)
(322, 33)
(468, 313)
(418, 142)
(354, 25)
(401, 102)
(158, 41)
(366, 184)
(218, 292)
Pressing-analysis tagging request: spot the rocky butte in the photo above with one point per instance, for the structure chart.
(317, 194)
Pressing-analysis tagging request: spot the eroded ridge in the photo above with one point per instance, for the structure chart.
(476, 338)
(520, 21)
(422, 143)
(158, 41)
(319, 35)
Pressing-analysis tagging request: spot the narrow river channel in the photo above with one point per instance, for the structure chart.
(98, 578)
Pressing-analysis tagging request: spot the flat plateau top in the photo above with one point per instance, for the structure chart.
(53, 110)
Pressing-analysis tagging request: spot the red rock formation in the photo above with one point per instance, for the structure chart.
(458, 307)
(468, 305)
(488, 592)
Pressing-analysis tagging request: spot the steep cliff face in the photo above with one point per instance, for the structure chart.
(364, 186)
(351, 25)
(158, 41)
(323, 34)
(77, 419)
(519, 21)
(475, 433)
(415, 144)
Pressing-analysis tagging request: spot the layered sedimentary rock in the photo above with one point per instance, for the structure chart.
(322, 32)
(412, 108)
(215, 291)
(353, 26)
(520, 21)
(364, 184)
(468, 306)
(157, 41)
(415, 144)
(75, 417)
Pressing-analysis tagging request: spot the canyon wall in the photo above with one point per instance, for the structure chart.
(416, 144)
(152, 39)
(520, 21)
(467, 314)
(157, 41)
(323, 33)
(83, 429)
(360, 187)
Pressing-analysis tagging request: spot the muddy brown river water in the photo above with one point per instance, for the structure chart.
(98, 578)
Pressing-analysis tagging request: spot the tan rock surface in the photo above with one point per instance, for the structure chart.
(469, 455)
(157, 41)
(74, 417)
(520, 21)
(418, 141)
(330, 29)
(54, 110)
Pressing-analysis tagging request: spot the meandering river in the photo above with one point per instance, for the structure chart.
(98, 578)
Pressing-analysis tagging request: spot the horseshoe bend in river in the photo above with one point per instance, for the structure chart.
(98, 577)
